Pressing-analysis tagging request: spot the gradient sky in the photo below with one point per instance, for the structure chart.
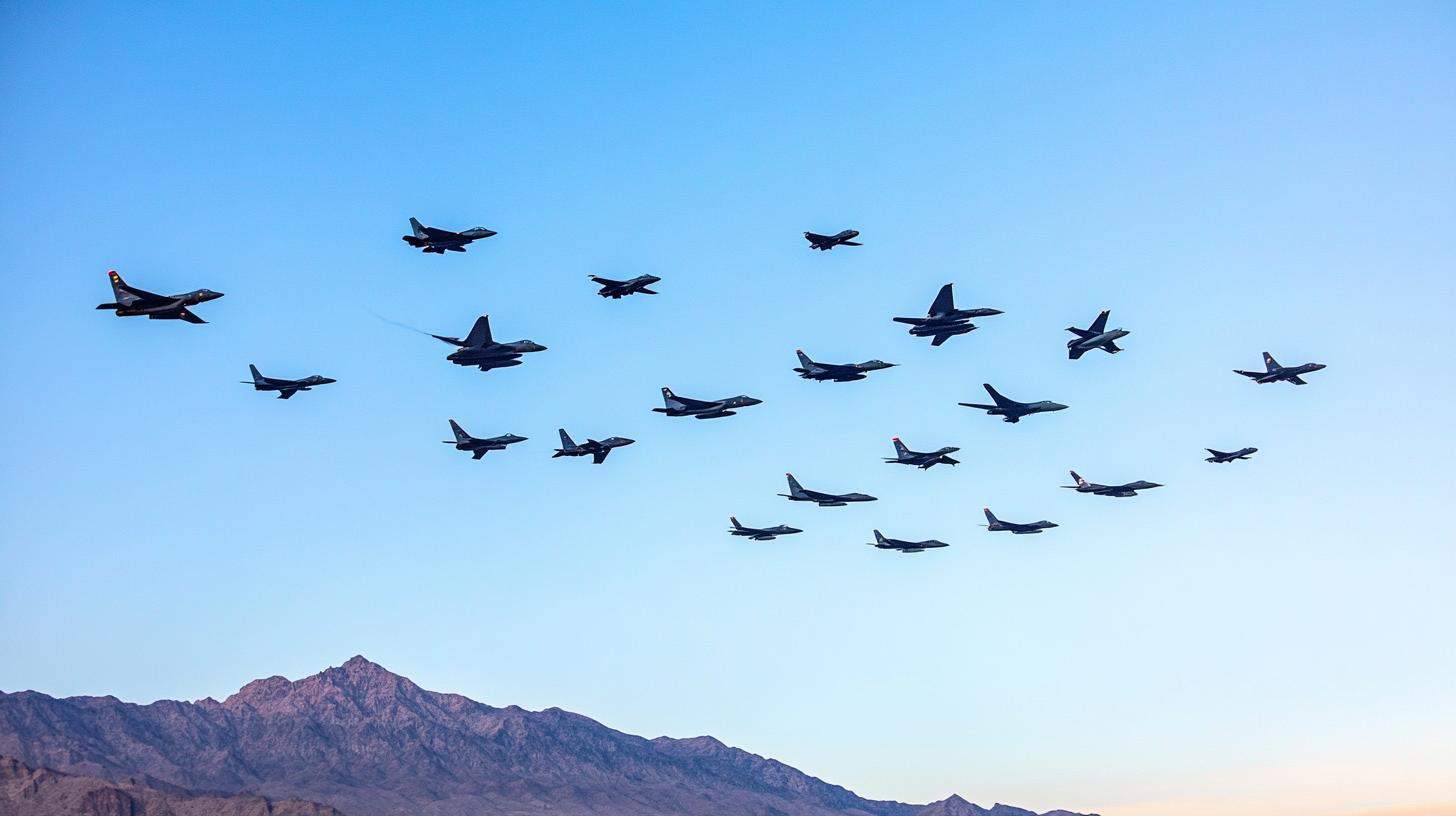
(1266, 637)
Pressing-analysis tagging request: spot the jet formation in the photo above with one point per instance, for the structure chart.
(922, 459)
(1273, 372)
(760, 533)
(285, 388)
(824, 243)
(477, 446)
(133, 302)
(1009, 409)
(837, 372)
(618, 289)
(433, 239)
(1121, 491)
(882, 542)
(798, 493)
(1220, 457)
(1095, 336)
(480, 349)
(703, 409)
(995, 525)
(597, 450)
(944, 321)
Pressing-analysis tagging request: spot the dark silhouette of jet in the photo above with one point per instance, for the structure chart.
(761, 533)
(1010, 409)
(1121, 491)
(995, 525)
(134, 302)
(881, 542)
(480, 349)
(1095, 336)
(1220, 457)
(285, 388)
(1273, 372)
(616, 289)
(921, 459)
(827, 242)
(944, 320)
(433, 239)
(477, 446)
(798, 493)
(837, 372)
(597, 450)
(703, 409)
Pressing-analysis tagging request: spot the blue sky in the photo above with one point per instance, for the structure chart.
(1252, 638)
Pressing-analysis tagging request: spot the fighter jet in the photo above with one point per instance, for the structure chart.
(617, 290)
(433, 239)
(597, 450)
(285, 388)
(900, 545)
(1273, 372)
(1095, 336)
(944, 320)
(923, 460)
(702, 409)
(1121, 491)
(1220, 457)
(827, 242)
(832, 372)
(134, 302)
(761, 533)
(477, 446)
(798, 493)
(995, 525)
(479, 349)
(1011, 410)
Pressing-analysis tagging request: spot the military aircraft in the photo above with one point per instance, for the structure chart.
(832, 372)
(944, 321)
(480, 349)
(616, 289)
(883, 543)
(134, 302)
(1095, 336)
(702, 409)
(995, 525)
(921, 459)
(827, 242)
(1273, 372)
(477, 446)
(798, 493)
(433, 239)
(597, 450)
(1011, 410)
(1121, 491)
(761, 533)
(285, 388)
(1220, 457)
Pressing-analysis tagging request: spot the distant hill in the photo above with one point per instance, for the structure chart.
(371, 743)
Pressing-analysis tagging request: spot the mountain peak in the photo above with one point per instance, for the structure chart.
(359, 683)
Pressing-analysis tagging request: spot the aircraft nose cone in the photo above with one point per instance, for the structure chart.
(625, 441)
(327, 380)
(1057, 406)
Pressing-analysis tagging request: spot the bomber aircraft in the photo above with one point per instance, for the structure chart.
(1220, 457)
(1121, 491)
(995, 525)
(480, 349)
(761, 533)
(478, 446)
(1273, 372)
(827, 242)
(837, 372)
(597, 450)
(703, 409)
(900, 545)
(285, 388)
(944, 321)
(1011, 410)
(798, 493)
(618, 289)
(134, 302)
(433, 239)
(1095, 336)
(922, 459)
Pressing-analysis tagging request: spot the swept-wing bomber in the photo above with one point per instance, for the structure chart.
(827, 242)
(617, 289)
(883, 542)
(478, 446)
(1095, 336)
(995, 525)
(760, 533)
(944, 321)
(285, 388)
(433, 239)
(703, 409)
(596, 449)
(480, 349)
(1273, 372)
(1121, 491)
(798, 493)
(133, 302)
(1220, 457)
(1011, 410)
(922, 459)
(837, 372)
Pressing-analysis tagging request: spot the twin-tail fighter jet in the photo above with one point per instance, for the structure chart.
(944, 321)
(703, 409)
(883, 542)
(618, 289)
(480, 349)
(837, 372)
(478, 446)
(1095, 336)
(828, 242)
(1011, 410)
(995, 525)
(596, 449)
(798, 493)
(285, 388)
(922, 459)
(760, 533)
(1273, 372)
(1121, 491)
(433, 239)
(1220, 457)
(134, 302)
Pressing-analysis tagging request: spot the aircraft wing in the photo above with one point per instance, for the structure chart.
(189, 317)
(1297, 381)
(287, 392)
(1112, 348)
(941, 338)
(600, 456)
(1075, 352)
(436, 234)
(478, 453)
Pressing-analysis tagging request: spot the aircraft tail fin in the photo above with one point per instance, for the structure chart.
(734, 521)
(1078, 479)
(879, 537)
(1100, 324)
(460, 434)
(795, 488)
(944, 301)
(1216, 452)
(670, 399)
(803, 358)
(991, 517)
(566, 442)
(419, 229)
(479, 333)
(996, 395)
(1269, 362)
(900, 448)
(118, 286)
(257, 376)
